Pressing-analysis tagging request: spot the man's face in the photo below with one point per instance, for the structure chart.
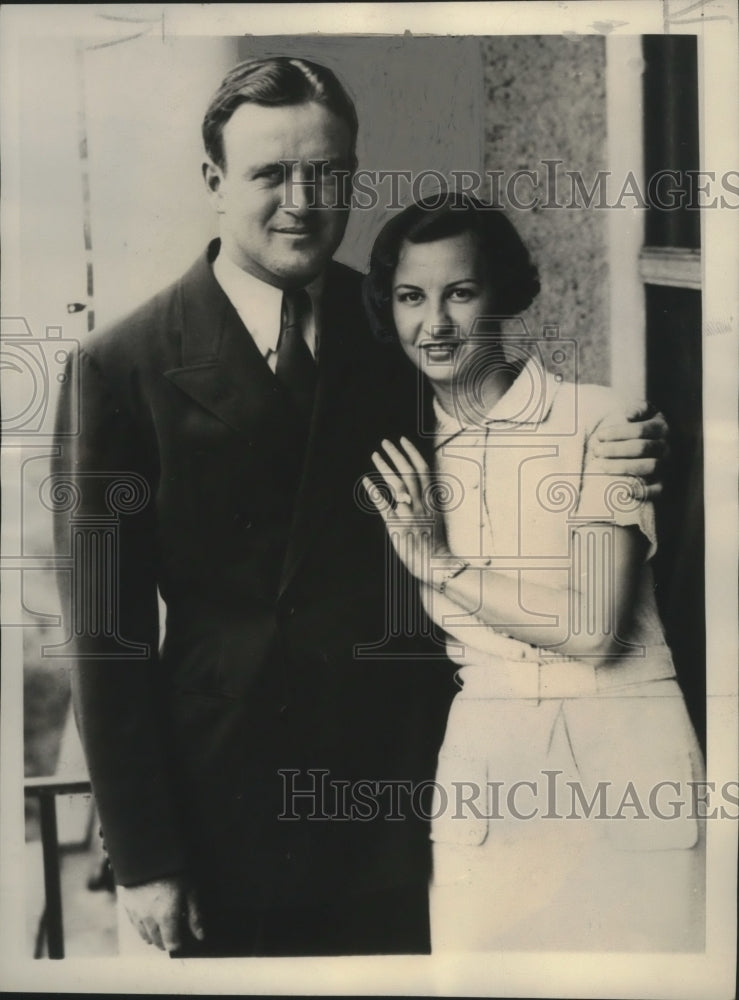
(272, 225)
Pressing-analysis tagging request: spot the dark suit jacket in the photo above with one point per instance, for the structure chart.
(272, 572)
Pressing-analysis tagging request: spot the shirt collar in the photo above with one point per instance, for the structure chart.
(259, 304)
(527, 401)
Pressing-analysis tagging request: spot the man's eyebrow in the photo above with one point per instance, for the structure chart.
(335, 161)
(256, 168)
(285, 165)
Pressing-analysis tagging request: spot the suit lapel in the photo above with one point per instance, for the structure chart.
(224, 372)
(222, 368)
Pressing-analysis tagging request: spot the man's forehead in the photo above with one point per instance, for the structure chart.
(295, 131)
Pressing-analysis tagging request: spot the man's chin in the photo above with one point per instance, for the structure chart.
(300, 269)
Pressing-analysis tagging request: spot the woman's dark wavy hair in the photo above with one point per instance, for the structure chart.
(514, 276)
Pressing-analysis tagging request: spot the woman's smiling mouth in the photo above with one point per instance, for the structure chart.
(439, 351)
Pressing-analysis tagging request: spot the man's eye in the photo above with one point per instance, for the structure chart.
(274, 173)
(335, 171)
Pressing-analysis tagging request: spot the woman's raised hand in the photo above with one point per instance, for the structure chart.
(413, 517)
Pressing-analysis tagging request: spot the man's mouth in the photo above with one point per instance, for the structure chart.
(294, 230)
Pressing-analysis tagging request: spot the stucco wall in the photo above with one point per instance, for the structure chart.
(545, 99)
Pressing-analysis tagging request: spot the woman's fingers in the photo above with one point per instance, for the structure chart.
(406, 470)
(373, 493)
(404, 477)
(396, 480)
(417, 460)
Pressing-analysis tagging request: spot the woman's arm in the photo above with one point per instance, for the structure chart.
(602, 606)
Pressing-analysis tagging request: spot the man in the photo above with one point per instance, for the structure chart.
(243, 403)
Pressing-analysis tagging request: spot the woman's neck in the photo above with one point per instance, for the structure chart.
(474, 396)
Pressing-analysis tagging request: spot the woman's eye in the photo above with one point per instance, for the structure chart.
(409, 297)
(461, 294)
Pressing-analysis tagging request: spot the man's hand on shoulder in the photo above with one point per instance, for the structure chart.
(162, 910)
(634, 443)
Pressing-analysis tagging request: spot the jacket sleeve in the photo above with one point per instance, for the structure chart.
(103, 489)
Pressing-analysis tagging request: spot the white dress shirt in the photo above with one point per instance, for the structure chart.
(259, 306)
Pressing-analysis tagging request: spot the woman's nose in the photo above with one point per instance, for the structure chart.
(437, 320)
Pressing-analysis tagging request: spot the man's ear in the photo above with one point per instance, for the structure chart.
(213, 177)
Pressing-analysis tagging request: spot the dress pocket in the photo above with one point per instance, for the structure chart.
(641, 746)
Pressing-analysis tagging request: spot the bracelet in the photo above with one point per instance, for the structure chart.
(455, 571)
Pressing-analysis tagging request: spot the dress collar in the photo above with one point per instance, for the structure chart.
(527, 401)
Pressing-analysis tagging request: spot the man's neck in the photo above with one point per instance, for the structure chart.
(259, 305)
(231, 252)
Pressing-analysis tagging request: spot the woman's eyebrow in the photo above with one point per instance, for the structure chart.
(449, 284)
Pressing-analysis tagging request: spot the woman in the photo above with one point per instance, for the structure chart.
(563, 814)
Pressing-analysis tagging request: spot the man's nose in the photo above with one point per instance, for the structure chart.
(300, 189)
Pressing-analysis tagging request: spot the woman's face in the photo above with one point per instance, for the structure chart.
(439, 290)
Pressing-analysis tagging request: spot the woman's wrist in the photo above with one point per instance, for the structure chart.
(452, 568)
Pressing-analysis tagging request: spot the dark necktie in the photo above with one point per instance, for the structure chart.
(296, 368)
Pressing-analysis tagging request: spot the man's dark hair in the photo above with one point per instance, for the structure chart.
(506, 260)
(278, 81)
